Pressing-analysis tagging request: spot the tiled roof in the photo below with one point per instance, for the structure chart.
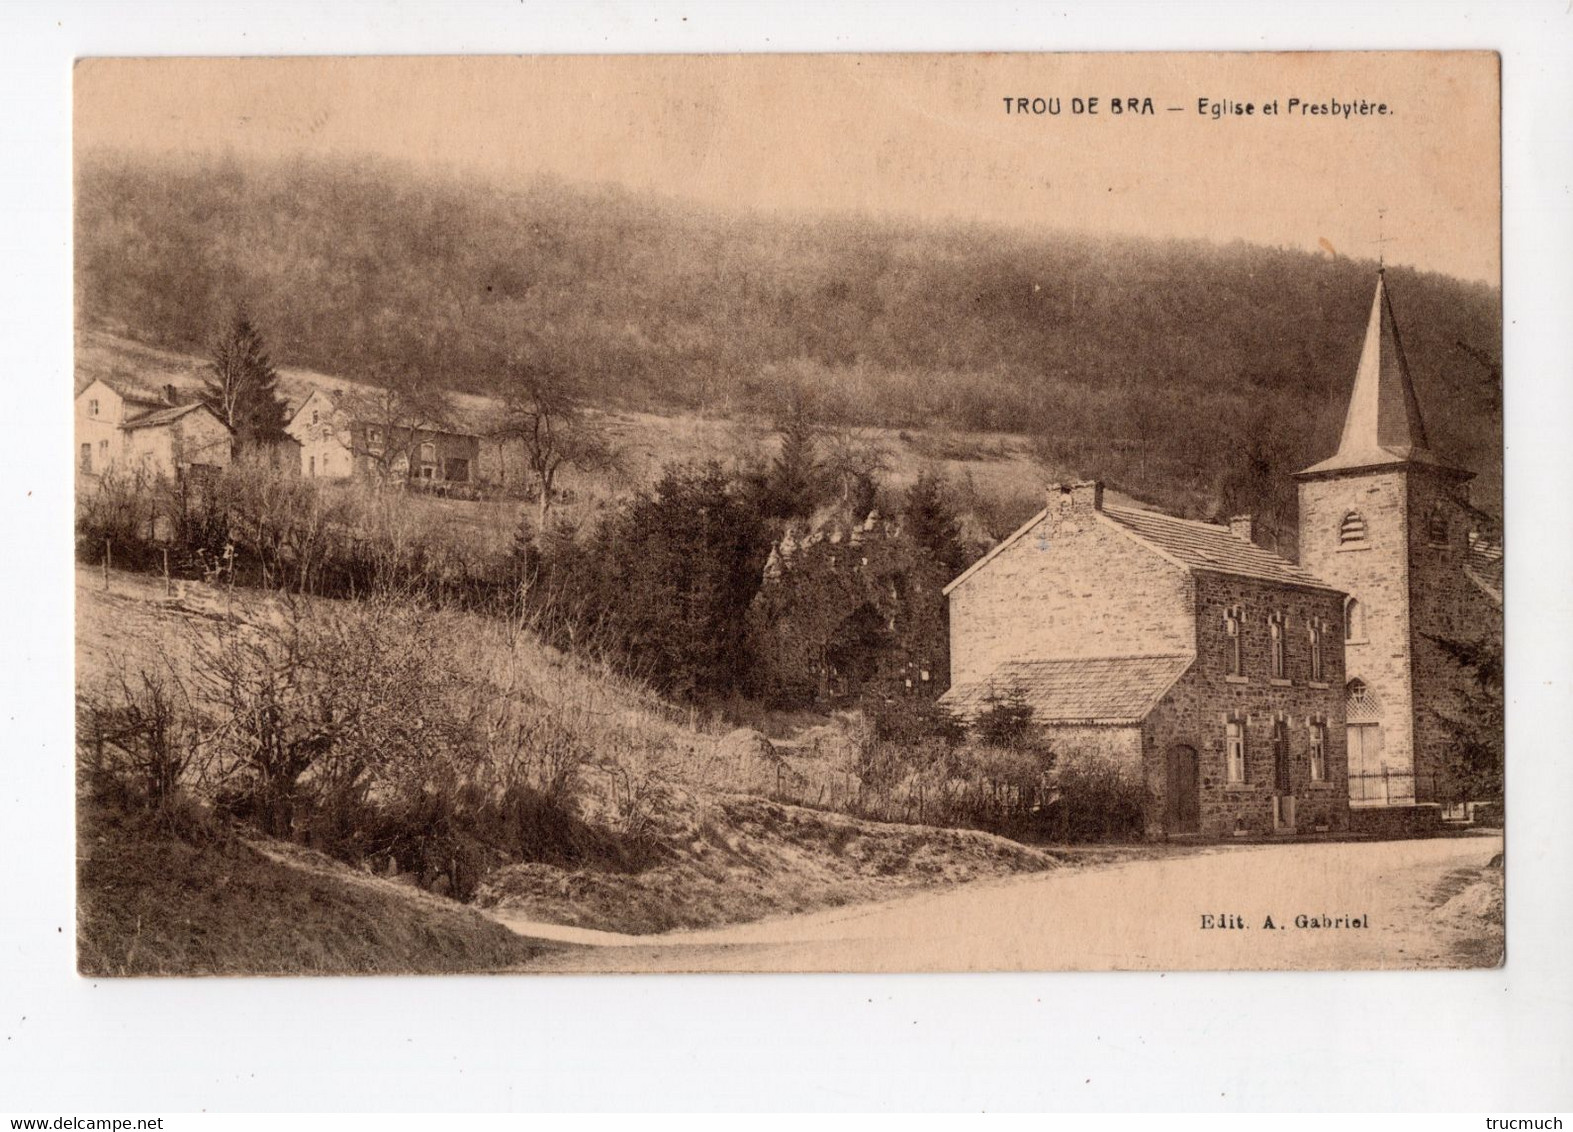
(163, 416)
(1203, 546)
(1078, 690)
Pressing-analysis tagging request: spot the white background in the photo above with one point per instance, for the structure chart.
(1494, 1040)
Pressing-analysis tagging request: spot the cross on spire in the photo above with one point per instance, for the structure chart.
(1380, 241)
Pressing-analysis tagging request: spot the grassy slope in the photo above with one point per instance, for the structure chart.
(153, 903)
(730, 859)
(716, 856)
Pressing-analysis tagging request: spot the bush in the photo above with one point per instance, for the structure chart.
(1093, 799)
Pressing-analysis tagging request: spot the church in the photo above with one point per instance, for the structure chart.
(1251, 695)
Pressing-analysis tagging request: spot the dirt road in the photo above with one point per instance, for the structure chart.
(1348, 905)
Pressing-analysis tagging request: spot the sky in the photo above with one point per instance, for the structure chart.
(925, 137)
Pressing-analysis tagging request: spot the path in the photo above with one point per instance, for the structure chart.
(1144, 914)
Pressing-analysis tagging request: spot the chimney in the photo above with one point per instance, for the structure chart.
(1240, 527)
(171, 395)
(1077, 497)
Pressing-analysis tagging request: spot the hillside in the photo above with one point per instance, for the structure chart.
(1191, 375)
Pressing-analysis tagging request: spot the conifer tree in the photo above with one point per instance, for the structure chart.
(931, 522)
(241, 385)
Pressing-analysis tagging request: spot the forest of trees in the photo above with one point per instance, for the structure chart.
(1182, 372)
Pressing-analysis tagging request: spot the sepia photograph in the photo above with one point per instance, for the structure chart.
(788, 513)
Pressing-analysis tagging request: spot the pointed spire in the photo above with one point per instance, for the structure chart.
(1383, 425)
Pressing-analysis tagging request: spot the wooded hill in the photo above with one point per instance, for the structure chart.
(1189, 374)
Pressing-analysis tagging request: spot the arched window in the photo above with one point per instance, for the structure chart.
(1275, 638)
(1232, 655)
(1351, 529)
(1354, 620)
(1437, 526)
(1318, 752)
(1316, 651)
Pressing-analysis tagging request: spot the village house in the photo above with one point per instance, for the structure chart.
(1204, 666)
(123, 427)
(345, 435)
(1248, 693)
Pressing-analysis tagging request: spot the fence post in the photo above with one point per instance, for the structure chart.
(168, 589)
(106, 563)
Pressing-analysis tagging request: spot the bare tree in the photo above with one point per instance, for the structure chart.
(401, 406)
(545, 415)
(854, 459)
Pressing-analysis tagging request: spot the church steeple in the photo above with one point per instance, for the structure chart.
(1383, 425)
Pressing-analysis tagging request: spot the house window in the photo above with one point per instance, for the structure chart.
(1283, 776)
(1275, 631)
(1234, 750)
(92, 407)
(103, 453)
(1318, 752)
(311, 465)
(87, 458)
(314, 416)
(373, 437)
(428, 453)
(428, 472)
(1231, 628)
(1354, 620)
(1436, 525)
(1316, 651)
(1352, 529)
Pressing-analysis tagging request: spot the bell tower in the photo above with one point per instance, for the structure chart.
(1386, 520)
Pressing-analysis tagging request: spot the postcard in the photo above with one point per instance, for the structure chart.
(789, 513)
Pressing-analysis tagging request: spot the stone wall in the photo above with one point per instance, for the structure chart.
(1197, 709)
(1374, 572)
(1074, 585)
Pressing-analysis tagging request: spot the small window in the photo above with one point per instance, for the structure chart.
(311, 465)
(1275, 636)
(1437, 526)
(1352, 529)
(1318, 752)
(1354, 620)
(1234, 750)
(103, 451)
(92, 407)
(1316, 651)
(374, 436)
(1231, 628)
(314, 416)
(87, 458)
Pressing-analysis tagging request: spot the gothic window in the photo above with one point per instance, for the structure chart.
(1234, 750)
(1231, 628)
(1354, 620)
(1318, 752)
(1316, 651)
(1275, 631)
(428, 453)
(1352, 529)
(1436, 525)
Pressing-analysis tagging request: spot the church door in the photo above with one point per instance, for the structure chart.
(1184, 809)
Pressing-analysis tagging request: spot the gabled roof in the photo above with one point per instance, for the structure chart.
(994, 552)
(1088, 690)
(1187, 543)
(170, 416)
(1203, 546)
(1383, 425)
(129, 390)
